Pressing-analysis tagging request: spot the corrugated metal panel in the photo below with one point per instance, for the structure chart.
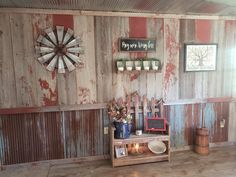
(31, 137)
(56, 135)
(184, 119)
(154, 6)
(84, 134)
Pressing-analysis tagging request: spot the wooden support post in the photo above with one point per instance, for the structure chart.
(136, 109)
(153, 107)
(144, 111)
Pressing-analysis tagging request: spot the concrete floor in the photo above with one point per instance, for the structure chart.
(220, 163)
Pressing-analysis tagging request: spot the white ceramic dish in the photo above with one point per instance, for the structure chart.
(157, 147)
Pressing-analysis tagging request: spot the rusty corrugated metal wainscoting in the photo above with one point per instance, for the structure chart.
(28, 137)
(185, 118)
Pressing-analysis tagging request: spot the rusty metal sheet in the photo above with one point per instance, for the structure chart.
(184, 119)
(31, 137)
(84, 133)
(161, 6)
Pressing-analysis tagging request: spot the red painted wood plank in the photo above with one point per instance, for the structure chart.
(203, 30)
(63, 20)
(138, 29)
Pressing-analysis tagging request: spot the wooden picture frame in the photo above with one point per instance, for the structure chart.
(121, 151)
(200, 57)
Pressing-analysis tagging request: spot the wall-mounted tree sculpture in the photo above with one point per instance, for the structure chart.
(59, 49)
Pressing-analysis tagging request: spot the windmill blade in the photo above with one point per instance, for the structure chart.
(74, 42)
(60, 34)
(42, 50)
(51, 35)
(68, 35)
(43, 40)
(61, 67)
(52, 64)
(68, 63)
(46, 57)
(73, 57)
(75, 50)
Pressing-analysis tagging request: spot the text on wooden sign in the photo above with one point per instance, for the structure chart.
(142, 45)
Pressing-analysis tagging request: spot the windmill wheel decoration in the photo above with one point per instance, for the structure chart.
(59, 49)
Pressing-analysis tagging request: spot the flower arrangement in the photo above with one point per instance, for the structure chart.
(119, 113)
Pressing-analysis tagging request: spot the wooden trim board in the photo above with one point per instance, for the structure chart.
(23, 110)
(211, 145)
(206, 100)
(110, 14)
(57, 162)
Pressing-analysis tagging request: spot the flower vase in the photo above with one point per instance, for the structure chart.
(123, 130)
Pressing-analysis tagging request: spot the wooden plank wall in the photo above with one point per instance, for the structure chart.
(26, 83)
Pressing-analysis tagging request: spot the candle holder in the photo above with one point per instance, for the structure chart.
(137, 149)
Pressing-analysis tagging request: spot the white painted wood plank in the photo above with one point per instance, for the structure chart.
(86, 75)
(23, 56)
(154, 80)
(7, 77)
(120, 81)
(46, 86)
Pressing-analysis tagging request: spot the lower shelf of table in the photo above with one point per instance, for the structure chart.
(138, 159)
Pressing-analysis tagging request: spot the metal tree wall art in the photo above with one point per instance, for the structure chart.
(59, 49)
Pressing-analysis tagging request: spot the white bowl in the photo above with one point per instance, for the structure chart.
(157, 147)
(146, 68)
(138, 68)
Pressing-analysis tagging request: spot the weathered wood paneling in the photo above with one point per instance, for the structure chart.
(97, 79)
(23, 58)
(120, 82)
(186, 79)
(86, 74)
(171, 60)
(46, 83)
(108, 31)
(219, 83)
(104, 60)
(155, 29)
(8, 83)
(67, 89)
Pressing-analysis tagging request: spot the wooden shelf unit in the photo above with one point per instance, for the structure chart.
(146, 157)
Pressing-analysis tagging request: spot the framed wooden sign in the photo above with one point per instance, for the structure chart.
(137, 45)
